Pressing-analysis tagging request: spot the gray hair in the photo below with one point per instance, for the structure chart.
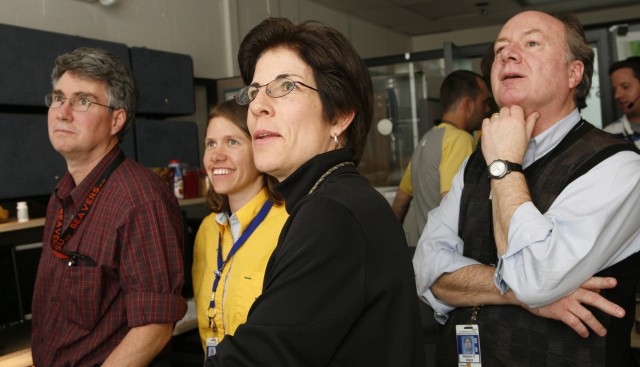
(100, 65)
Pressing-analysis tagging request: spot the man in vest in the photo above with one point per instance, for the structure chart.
(540, 219)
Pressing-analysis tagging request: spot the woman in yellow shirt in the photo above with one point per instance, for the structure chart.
(235, 242)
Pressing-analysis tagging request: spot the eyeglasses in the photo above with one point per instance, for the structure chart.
(77, 103)
(276, 88)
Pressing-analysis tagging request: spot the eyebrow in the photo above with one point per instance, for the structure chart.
(280, 76)
(527, 33)
(76, 94)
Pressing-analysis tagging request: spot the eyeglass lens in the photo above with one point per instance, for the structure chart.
(276, 88)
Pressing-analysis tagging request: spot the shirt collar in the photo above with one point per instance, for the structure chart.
(67, 189)
(239, 220)
(550, 138)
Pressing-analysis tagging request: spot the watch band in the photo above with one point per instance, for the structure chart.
(508, 168)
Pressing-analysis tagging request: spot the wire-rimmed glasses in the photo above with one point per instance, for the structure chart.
(80, 104)
(276, 88)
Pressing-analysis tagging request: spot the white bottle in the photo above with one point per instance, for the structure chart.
(23, 212)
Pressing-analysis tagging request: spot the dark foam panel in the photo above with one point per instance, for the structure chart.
(159, 141)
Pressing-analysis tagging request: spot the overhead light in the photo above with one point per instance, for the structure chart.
(537, 2)
(102, 2)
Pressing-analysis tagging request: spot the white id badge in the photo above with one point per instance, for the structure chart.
(468, 339)
(212, 344)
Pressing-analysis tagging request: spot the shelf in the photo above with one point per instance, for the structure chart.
(192, 201)
(14, 225)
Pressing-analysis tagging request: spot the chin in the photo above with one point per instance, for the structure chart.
(267, 166)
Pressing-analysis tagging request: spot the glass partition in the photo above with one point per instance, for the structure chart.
(406, 102)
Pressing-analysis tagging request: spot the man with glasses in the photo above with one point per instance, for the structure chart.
(108, 285)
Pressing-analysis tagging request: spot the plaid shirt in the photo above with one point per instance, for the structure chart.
(134, 234)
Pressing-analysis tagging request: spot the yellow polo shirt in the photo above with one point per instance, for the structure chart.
(242, 277)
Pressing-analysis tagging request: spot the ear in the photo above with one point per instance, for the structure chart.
(118, 121)
(342, 122)
(466, 105)
(576, 70)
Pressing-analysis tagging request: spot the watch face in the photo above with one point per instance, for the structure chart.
(498, 168)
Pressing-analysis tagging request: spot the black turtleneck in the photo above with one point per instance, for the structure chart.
(339, 288)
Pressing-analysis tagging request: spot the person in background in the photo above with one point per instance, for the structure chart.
(237, 239)
(548, 202)
(402, 200)
(108, 286)
(440, 152)
(339, 288)
(625, 80)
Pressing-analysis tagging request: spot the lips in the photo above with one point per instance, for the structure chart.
(507, 76)
(264, 134)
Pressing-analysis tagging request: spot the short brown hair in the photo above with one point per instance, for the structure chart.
(342, 77)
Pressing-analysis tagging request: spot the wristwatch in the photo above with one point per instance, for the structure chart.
(500, 168)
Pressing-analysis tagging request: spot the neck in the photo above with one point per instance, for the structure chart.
(80, 165)
(237, 200)
(453, 119)
(634, 117)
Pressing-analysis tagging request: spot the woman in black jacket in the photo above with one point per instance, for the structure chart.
(339, 289)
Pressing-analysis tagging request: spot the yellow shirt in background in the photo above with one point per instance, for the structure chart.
(243, 275)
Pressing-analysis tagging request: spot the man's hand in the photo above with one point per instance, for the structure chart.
(571, 309)
(506, 135)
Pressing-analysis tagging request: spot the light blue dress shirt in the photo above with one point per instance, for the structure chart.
(593, 224)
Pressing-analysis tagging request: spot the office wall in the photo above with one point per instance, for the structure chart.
(488, 34)
(208, 30)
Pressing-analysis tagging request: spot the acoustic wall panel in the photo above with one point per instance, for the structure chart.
(30, 166)
(159, 141)
(27, 60)
(165, 82)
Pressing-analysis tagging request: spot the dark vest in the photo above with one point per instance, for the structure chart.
(510, 335)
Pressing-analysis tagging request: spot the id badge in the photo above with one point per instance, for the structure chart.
(212, 344)
(468, 339)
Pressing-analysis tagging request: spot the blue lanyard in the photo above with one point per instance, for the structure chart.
(255, 222)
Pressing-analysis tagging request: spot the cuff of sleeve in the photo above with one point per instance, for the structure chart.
(145, 308)
(441, 310)
(526, 227)
(497, 278)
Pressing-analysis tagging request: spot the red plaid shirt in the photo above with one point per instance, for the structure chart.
(134, 234)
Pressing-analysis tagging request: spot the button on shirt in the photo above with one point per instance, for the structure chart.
(134, 234)
(591, 225)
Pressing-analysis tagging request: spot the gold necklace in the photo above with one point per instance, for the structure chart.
(329, 171)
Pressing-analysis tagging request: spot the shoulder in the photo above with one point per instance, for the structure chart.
(455, 134)
(138, 184)
(615, 127)
(208, 229)
(278, 213)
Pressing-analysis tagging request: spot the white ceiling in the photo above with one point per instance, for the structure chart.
(420, 17)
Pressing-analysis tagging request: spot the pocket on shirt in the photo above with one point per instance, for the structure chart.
(250, 287)
(83, 295)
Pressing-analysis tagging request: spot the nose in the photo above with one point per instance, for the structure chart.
(217, 155)
(617, 94)
(261, 105)
(64, 111)
(510, 52)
